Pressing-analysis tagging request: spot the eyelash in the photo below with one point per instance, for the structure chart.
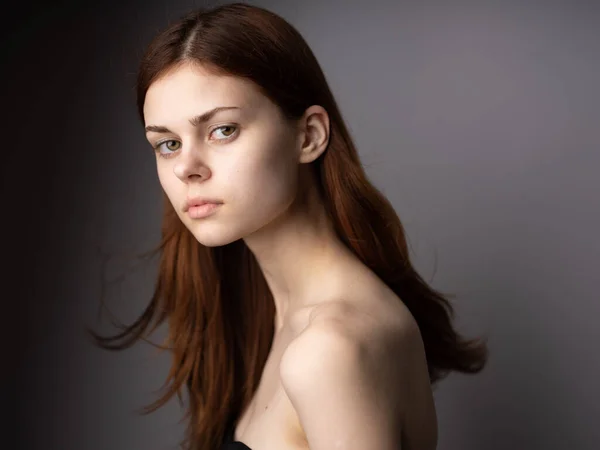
(218, 141)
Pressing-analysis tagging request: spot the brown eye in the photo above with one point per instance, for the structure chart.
(166, 148)
(171, 144)
(226, 131)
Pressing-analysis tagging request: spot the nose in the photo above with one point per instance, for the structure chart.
(189, 166)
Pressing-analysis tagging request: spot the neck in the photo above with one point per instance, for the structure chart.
(301, 257)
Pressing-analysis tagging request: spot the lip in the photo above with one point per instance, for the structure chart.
(203, 210)
(200, 201)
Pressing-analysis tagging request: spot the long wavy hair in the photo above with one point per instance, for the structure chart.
(215, 301)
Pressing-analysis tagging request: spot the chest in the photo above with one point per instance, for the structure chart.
(270, 421)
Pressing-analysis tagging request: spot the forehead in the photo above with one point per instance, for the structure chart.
(189, 90)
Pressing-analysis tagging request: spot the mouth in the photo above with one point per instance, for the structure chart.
(199, 201)
(201, 210)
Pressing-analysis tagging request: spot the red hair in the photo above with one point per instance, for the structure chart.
(217, 304)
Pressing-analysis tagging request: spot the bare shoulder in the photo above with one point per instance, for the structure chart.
(347, 375)
(372, 326)
(372, 332)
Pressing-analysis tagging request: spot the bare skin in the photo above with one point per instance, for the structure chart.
(256, 165)
(271, 422)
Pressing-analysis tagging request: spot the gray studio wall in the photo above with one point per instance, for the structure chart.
(478, 120)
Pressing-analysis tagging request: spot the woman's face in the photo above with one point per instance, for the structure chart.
(246, 158)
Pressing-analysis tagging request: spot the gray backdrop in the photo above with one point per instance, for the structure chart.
(479, 121)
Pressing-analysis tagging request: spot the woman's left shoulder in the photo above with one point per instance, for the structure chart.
(347, 364)
(374, 320)
(375, 330)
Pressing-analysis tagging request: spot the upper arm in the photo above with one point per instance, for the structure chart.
(348, 393)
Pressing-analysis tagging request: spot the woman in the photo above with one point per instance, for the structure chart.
(296, 319)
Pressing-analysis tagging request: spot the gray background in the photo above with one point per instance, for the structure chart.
(479, 121)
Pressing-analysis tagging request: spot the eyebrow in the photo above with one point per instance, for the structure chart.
(195, 121)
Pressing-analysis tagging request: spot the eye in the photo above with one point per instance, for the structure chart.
(230, 132)
(169, 144)
(172, 145)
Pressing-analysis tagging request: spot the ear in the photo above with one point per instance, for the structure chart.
(313, 134)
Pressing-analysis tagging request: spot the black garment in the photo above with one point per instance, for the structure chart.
(230, 444)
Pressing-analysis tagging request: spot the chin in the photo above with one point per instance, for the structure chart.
(212, 236)
(213, 243)
(213, 239)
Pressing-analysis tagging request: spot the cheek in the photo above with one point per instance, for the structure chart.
(163, 179)
(169, 183)
(264, 183)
